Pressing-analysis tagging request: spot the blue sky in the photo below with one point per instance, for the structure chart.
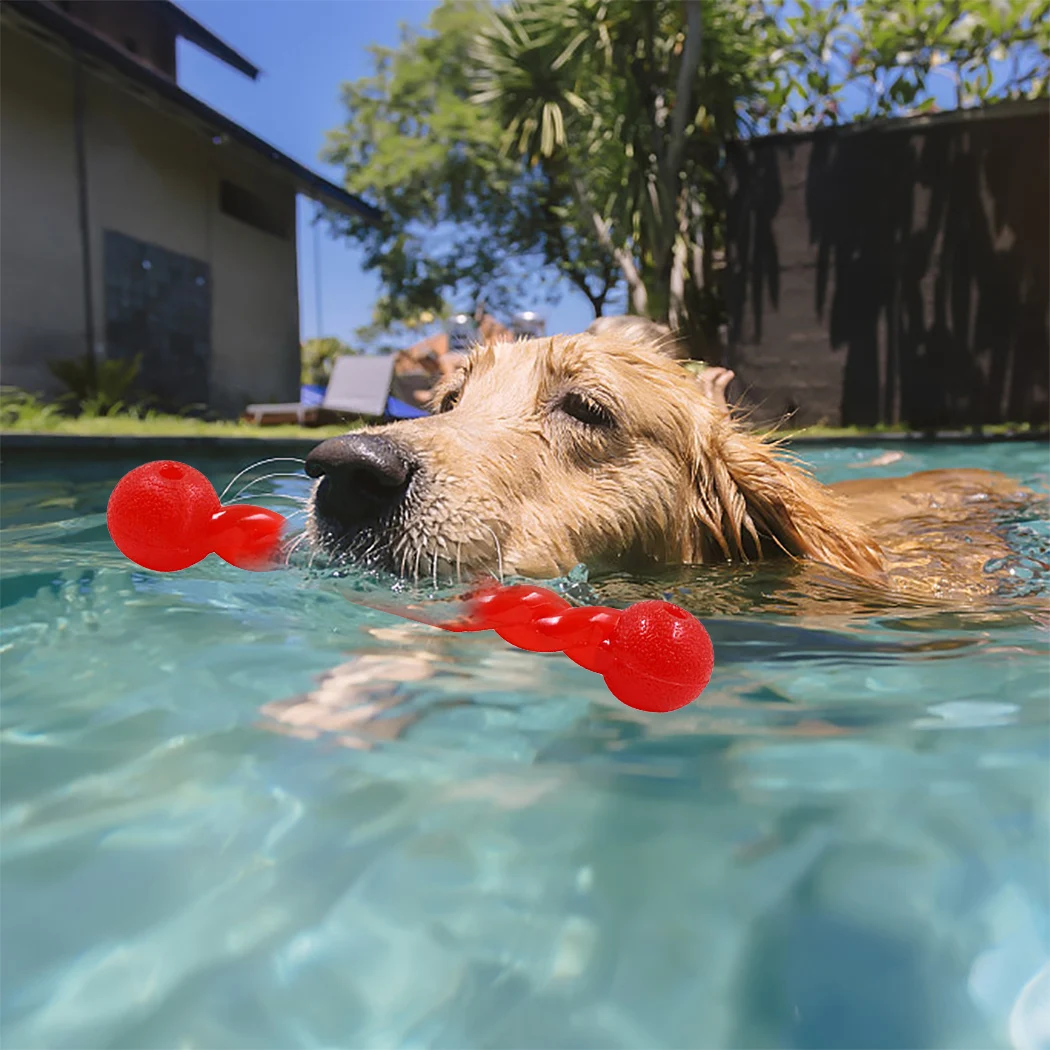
(306, 49)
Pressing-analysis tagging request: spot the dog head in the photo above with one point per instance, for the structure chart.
(543, 454)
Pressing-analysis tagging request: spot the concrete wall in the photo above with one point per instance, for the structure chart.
(151, 176)
(895, 274)
(41, 277)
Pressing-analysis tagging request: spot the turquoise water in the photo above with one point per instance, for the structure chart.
(844, 845)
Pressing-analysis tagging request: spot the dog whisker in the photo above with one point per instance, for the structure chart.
(270, 477)
(262, 463)
(614, 456)
(301, 501)
(295, 545)
(499, 552)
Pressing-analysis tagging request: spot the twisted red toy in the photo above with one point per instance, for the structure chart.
(654, 656)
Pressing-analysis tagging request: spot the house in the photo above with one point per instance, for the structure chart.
(137, 220)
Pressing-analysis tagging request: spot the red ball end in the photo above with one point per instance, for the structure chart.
(159, 515)
(663, 657)
(247, 537)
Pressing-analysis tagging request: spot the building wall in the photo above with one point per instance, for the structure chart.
(41, 277)
(896, 275)
(153, 177)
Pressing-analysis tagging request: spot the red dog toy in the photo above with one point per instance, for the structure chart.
(654, 656)
(166, 516)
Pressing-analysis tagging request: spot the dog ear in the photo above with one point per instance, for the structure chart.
(751, 501)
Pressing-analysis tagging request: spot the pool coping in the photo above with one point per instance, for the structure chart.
(132, 445)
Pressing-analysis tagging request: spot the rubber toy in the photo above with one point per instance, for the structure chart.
(166, 516)
(654, 656)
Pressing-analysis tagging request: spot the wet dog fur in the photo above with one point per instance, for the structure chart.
(592, 449)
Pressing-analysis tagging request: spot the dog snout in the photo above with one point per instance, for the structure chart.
(363, 476)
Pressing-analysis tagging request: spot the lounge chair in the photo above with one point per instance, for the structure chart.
(358, 386)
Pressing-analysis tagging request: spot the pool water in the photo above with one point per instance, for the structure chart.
(844, 844)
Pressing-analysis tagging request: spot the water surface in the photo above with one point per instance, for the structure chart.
(844, 845)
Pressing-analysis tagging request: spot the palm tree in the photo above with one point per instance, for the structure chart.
(628, 104)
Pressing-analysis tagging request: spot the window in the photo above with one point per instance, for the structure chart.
(246, 207)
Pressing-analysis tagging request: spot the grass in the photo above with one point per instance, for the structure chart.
(169, 426)
(22, 413)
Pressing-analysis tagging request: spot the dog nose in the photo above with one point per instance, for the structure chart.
(362, 475)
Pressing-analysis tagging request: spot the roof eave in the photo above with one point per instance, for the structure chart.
(83, 40)
(190, 29)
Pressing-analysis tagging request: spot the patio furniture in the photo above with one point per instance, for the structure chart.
(359, 386)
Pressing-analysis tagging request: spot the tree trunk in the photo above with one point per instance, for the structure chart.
(670, 158)
(683, 90)
(676, 304)
(624, 259)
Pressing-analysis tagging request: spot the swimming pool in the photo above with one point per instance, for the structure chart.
(844, 845)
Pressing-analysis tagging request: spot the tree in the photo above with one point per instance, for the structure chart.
(317, 357)
(461, 218)
(587, 137)
(865, 59)
(387, 337)
(628, 105)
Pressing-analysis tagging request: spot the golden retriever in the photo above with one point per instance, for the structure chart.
(601, 449)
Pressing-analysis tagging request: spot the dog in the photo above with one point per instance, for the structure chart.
(601, 449)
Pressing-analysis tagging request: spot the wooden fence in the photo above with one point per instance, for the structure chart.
(897, 273)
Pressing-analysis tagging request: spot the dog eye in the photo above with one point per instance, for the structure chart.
(586, 411)
(449, 401)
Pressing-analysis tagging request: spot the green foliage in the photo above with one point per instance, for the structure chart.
(627, 106)
(881, 56)
(388, 338)
(585, 138)
(20, 410)
(318, 356)
(25, 413)
(97, 388)
(461, 218)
